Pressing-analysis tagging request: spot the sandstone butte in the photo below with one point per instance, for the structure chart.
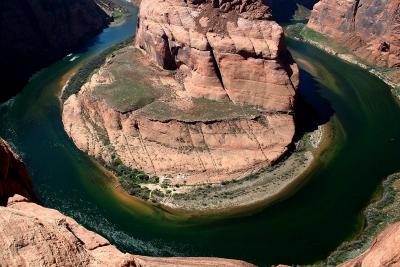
(32, 235)
(369, 28)
(224, 57)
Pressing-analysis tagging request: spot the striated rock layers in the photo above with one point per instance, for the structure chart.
(227, 111)
(369, 28)
(35, 33)
(384, 251)
(31, 235)
(14, 178)
(224, 51)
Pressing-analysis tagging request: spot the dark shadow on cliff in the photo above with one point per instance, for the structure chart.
(283, 10)
(14, 177)
(34, 34)
(311, 109)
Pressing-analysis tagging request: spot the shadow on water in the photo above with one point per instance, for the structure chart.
(284, 10)
(311, 109)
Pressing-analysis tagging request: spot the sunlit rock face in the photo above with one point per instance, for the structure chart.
(369, 28)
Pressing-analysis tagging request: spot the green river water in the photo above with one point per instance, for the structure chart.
(304, 228)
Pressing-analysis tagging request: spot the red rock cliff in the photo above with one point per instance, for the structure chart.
(223, 49)
(14, 178)
(370, 28)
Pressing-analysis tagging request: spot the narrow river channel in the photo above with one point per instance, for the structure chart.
(302, 229)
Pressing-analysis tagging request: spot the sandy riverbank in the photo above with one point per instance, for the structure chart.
(241, 197)
(256, 191)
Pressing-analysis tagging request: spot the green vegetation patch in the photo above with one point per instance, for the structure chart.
(130, 176)
(125, 95)
(312, 35)
(135, 84)
(84, 73)
(133, 181)
(202, 109)
(119, 15)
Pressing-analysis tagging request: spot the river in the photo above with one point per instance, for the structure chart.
(304, 228)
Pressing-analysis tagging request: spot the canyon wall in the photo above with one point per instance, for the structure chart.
(33, 34)
(369, 28)
(232, 50)
(14, 178)
(285, 10)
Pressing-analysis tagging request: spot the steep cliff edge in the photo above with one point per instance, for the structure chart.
(31, 235)
(14, 178)
(369, 28)
(35, 33)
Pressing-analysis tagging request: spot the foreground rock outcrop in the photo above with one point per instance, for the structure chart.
(33, 34)
(31, 235)
(221, 110)
(369, 28)
(14, 178)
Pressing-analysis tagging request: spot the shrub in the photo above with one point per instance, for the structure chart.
(84, 73)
